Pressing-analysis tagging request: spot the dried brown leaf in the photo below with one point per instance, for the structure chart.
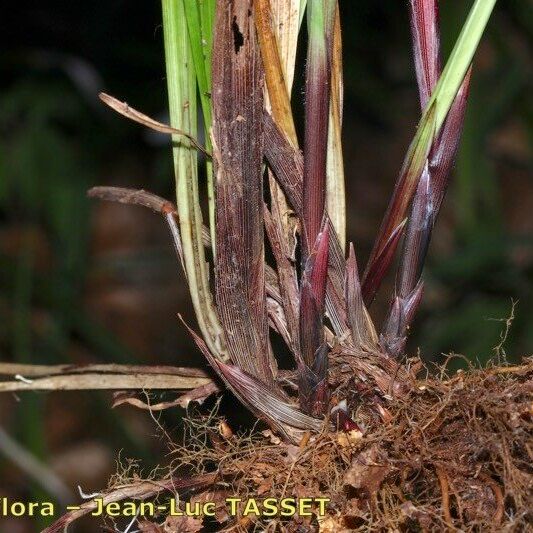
(368, 470)
(129, 112)
(278, 90)
(363, 331)
(182, 524)
(238, 153)
(149, 527)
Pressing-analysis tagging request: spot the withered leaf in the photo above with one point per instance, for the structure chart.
(182, 524)
(368, 470)
(149, 527)
(238, 156)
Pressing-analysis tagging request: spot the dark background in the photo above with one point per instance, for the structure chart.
(84, 282)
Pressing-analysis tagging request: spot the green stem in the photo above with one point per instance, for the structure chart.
(199, 14)
(181, 82)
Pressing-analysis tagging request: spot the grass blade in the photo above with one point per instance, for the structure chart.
(261, 399)
(315, 243)
(335, 189)
(363, 331)
(418, 233)
(393, 337)
(312, 297)
(277, 27)
(268, 405)
(199, 15)
(433, 182)
(285, 161)
(181, 82)
(459, 61)
(312, 372)
(286, 24)
(129, 112)
(317, 98)
(288, 283)
(443, 154)
(200, 48)
(287, 164)
(426, 46)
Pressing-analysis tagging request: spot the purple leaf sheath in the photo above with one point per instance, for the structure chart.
(433, 182)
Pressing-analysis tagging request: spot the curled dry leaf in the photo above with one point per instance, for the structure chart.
(129, 112)
(293, 452)
(125, 397)
(199, 394)
(273, 439)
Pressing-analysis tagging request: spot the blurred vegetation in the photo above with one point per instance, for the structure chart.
(56, 141)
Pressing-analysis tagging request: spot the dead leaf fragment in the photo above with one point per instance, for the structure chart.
(269, 435)
(182, 524)
(331, 524)
(367, 471)
(349, 438)
(225, 430)
(150, 527)
(292, 453)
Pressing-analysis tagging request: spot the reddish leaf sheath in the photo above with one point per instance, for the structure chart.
(313, 369)
(312, 297)
(434, 179)
(426, 46)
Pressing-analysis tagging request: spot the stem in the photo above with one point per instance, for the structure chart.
(199, 14)
(181, 81)
(317, 94)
